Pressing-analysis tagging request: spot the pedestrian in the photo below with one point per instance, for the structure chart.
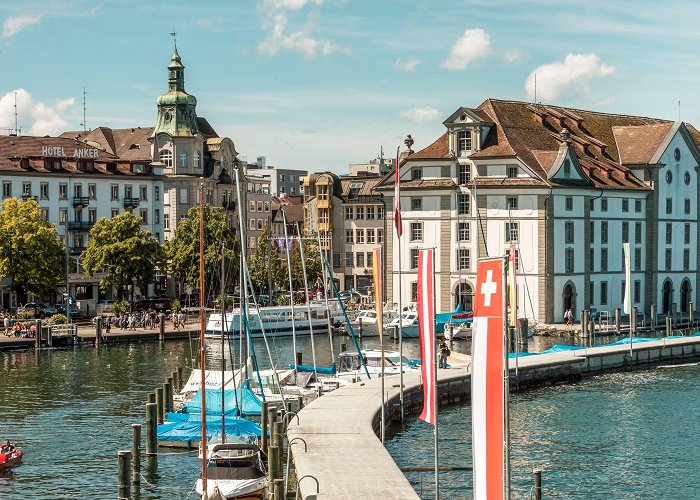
(444, 352)
(175, 320)
(108, 324)
(6, 323)
(569, 317)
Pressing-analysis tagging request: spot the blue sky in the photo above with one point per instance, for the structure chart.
(318, 84)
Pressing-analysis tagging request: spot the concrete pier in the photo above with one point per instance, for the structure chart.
(341, 428)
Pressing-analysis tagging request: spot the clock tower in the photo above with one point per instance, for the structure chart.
(177, 115)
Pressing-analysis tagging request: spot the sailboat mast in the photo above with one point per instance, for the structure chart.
(291, 288)
(308, 303)
(223, 326)
(202, 352)
(325, 266)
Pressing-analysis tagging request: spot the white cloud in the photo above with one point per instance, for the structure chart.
(15, 24)
(474, 44)
(44, 119)
(421, 114)
(408, 66)
(290, 4)
(570, 77)
(512, 55)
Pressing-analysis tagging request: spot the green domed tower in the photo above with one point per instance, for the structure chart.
(177, 115)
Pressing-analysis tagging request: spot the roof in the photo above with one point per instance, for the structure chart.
(437, 150)
(354, 187)
(637, 144)
(129, 144)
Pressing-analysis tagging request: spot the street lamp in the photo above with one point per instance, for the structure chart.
(66, 298)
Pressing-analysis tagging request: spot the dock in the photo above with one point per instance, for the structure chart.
(341, 428)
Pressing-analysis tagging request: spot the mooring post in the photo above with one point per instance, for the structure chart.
(674, 315)
(537, 488)
(278, 489)
(37, 338)
(633, 320)
(617, 320)
(98, 332)
(151, 429)
(300, 359)
(161, 325)
(151, 397)
(272, 461)
(180, 383)
(49, 337)
(263, 426)
(668, 325)
(690, 313)
(124, 463)
(277, 434)
(160, 403)
(300, 402)
(591, 328)
(652, 313)
(176, 383)
(171, 396)
(584, 323)
(136, 453)
(167, 398)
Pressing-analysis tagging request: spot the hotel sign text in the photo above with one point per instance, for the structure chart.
(77, 153)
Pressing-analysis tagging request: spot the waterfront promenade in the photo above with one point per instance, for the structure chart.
(340, 429)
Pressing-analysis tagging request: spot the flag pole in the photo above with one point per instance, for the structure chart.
(506, 382)
(397, 205)
(432, 327)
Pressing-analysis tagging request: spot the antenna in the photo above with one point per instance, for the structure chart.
(535, 88)
(679, 110)
(15, 113)
(84, 124)
(174, 35)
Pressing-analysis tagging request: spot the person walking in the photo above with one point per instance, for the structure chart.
(444, 352)
(569, 317)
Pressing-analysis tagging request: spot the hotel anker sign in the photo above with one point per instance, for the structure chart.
(77, 153)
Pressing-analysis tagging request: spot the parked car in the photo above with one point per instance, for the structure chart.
(40, 310)
(61, 308)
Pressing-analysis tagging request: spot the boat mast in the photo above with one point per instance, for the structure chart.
(308, 304)
(324, 265)
(291, 289)
(202, 354)
(223, 358)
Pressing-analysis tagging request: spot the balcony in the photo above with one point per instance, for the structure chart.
(229, 205)
(80, 226)
(27, 197)
(77, 250)
(131, 202)
(81, 201)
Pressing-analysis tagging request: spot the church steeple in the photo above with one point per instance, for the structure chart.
(176, 72)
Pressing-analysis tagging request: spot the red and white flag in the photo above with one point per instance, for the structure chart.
(397, 199)
(488, 383)
(426, 333)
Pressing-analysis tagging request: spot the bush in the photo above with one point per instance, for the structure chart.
(121, 307)
(58, 319)
(25, 315)
(175, 305)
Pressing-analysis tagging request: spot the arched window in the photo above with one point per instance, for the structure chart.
(166, 157)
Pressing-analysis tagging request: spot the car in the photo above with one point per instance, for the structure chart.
(61, 308)
(40, 310)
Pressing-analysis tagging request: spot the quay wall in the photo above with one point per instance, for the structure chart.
(341, 429)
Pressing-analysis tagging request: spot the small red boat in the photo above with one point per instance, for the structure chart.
(10, 460)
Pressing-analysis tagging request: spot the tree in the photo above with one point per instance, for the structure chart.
(312, 259)
(124, 250)
(182, 252)
(266, 264)
(31, 254)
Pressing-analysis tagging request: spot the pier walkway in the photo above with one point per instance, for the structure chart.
(340, 429)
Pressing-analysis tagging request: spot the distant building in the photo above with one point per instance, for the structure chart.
(259, 212)
(378, 166)
(283, 181)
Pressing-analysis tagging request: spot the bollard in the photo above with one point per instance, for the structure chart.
(179, 378)
(300, 402)
(160, 403)
(167, 399)
(151, 397)
(668, 325)
(617, 320)
(278, 489)
(272, 461)
(652, 314)
(300, 358)
(176, 383)
(633, 321)
(161, 324)
(151, 429)
(690, 313)
(171, 396)
(136, 453)
(263, 426)
(98, 332)
(537, 489)
(124, 490)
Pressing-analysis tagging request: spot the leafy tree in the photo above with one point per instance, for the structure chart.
(182, 251)
(267, 263)
(124, 250)
(31, 254)
(312, 260)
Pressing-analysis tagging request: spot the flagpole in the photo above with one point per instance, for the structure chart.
(506, 382)
(397, 203)
(437, 481)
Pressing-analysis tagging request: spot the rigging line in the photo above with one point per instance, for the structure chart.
(308, 304)
(325, 294)
(527, 288)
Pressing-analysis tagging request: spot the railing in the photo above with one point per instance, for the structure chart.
(81, 201)
(26, 197)
(80, 226)
(77, 250)
(131, 202)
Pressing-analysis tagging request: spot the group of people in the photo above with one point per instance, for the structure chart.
(14, 328)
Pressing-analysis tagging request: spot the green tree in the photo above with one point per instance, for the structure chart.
(182, 251)
(124, 250)
(312, 260)
(31, 254)
(266, 264)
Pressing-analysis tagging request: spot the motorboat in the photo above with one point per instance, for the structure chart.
(350, 366)
(409, 324)
(234, 471)
(10, 460)
(365, 323)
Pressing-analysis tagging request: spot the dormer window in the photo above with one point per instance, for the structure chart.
(567, 168)
(464, 142)
(416, 174)
(511, 171)
(166, 158)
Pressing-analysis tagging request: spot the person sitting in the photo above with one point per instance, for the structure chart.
(7, 447)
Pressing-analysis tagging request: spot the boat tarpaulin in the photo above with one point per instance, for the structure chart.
(212, 379)
(248, 402)
(188, 427)
(323, 370)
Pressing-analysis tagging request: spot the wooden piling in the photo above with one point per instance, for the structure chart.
(343, 347)
(668, 325)
(167, 397)
(37, 338)
(272, 462)
(263, 426)
(300, 402)
(299, 358)
(180, 383)
(124, 483)
(633, 320)
(537, 489)
(176, 383)
(277, 434)
(652, 313)
(151, 429)
(160, 404)
(151, 397)
(690, 313)
(617, 320)
(278, 489)
(98, 332)
(136, 453)
(161, 324)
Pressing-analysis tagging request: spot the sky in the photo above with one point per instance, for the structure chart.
(320, 84)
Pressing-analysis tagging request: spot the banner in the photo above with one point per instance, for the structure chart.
(397, 199)
(426, 333)
(377, 276)
(627, 304)
(512, 289)
(488, 383)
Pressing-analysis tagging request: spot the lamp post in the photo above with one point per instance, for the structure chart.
(66, 299)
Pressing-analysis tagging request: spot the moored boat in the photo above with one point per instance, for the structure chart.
(350, 365)
(235, 471)
(11, 459)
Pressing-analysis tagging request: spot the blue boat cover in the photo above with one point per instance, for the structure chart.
(250, 404)
(323, 370)
(188, 427)
(561, 348)
(635, 340)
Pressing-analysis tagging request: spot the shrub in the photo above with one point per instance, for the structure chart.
(175, 305)
(25, 315)
(121, 307)
(58, 319)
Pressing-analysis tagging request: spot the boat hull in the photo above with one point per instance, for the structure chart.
(247, 489)
(13, 460)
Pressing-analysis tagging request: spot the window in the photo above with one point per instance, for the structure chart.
(77, 190)
(637, 232)
(591, 258)
(251, 206)
(463, 260)
(416, 174)
(62, 191)
(166, 158)
(127, 192)
(78, 214)
(637, 206)
(512, 171)
(669, 177)
(44, 190)
(686, 178)
(260, 206)
(592, 232)
(669, 233)
(569, 260)
(465, 174)
(348, 236)
(144, 216)
(569, 203)
(360, 259)
(512, 232)
(603, 259)
(603, 205)
(463, 231)
(360, 213)
(260, 224)
(380, 236)
(416, 203)
(603, 292)
(370, 236)
(45, 214)
(677, 154)
(349, 259)
(156, 216)
(115, 212)
(360, 236)
(183, 159)
(62, 215)
(625, 205)
(625, 232)
(567, 167)
(686, 206)
(462, 204)
(637, 291)
(143, 191)
(686, 233)
(197, 160)
(604, 231)
(464, 142)
(686, 259)
(380, 212)
(669, 205)
(92, 215)
(370, 213)
(26, 189)
(637, 259)
(184, 196)
(6, 189)
(512, 202)
(369, 259)
(114, 191)
(668, 259)
(166, 221)
(568, 232)
(414, 258)
(591, 293)
(591, 204)
(416, 231)
(156, 193)
(92, 191)
(251, 224)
